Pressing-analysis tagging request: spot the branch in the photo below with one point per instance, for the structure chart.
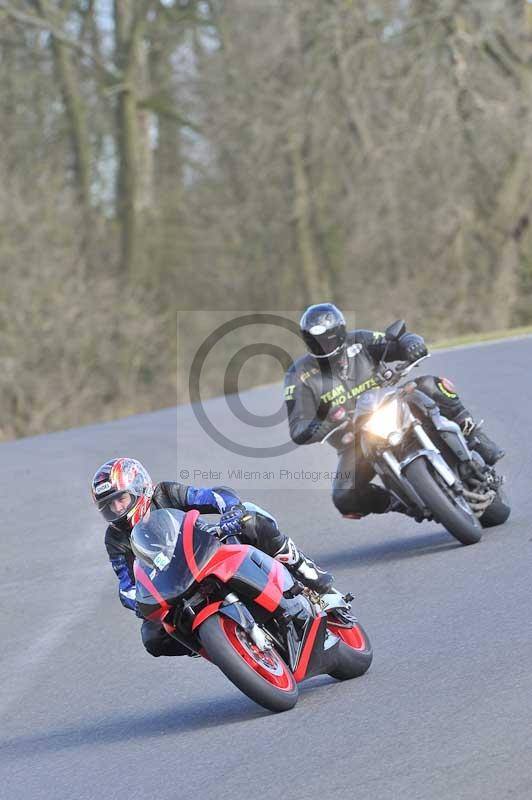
(158, 106)
(111, 73)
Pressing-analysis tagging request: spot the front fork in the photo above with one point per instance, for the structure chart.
(427, 450)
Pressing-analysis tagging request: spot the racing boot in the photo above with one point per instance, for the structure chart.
(303, 568)
(477, 439)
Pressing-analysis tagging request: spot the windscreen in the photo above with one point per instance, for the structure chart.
(154, 541)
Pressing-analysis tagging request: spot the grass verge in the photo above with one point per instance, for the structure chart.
(489, 336)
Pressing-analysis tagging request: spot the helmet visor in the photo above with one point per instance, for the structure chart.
(116, 505)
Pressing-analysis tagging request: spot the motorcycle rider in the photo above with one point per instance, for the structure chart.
(124, 493)
(322, 387)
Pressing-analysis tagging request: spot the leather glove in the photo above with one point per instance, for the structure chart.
(337, 415)
(231, 520)
(412, 347)
(128, 598)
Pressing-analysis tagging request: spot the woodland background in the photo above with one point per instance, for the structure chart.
(225, 154)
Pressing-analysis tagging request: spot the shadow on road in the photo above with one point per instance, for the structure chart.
(411, 546)
(177, 719)
(184, 718)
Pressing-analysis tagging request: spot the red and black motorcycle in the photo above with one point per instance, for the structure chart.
(242, 610)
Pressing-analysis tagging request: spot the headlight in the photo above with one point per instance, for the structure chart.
(384, 421)
(395, 438)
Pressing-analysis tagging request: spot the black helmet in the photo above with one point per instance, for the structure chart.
(323, 329)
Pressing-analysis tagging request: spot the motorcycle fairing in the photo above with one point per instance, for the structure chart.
(197, 555)
(252, 573)
(152, 604)
(235, 610)
(312, 655)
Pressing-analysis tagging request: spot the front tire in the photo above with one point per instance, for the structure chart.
(261, 675)
(354, 653)
(466, 528)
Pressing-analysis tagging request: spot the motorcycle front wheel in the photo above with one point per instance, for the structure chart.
(262, 675)
(460, 522)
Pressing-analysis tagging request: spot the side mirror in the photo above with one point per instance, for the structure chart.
(394, 331)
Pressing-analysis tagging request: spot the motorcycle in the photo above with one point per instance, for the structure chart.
(422, 457)
(242, 610)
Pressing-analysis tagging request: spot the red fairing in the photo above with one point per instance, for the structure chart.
(208, 611)
(301, 670)
(271, 595)
(224, 563)
(141, 577)
(188, 541)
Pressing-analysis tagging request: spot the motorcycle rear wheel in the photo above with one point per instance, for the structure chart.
(463, 527)
(498, 512)
(261, 675)
(354, 653)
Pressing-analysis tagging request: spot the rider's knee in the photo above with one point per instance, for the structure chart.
(438, 388)
(369, 500)
(344, 499)
(151, 640)
(158, 643)
(428, 385)
(443, 392)
(153, 649)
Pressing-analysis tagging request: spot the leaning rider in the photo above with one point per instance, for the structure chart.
(124, 492)
(322, 387)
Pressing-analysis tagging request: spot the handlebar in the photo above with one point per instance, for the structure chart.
(389, 375)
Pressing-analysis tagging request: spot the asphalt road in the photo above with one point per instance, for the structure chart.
(445, 712)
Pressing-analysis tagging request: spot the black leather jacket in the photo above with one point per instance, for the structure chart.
(313, 386)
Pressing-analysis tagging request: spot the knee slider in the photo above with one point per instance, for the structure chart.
(343, 499)
(152, 648)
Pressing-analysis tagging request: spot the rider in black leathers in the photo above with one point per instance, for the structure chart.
(123, 491)
(322, 387)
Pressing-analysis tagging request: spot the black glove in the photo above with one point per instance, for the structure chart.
(412, 347)
(231, 520)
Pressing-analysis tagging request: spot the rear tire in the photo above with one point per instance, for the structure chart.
(498, 512)
(261, 675)
(466, 529)
(354, 653)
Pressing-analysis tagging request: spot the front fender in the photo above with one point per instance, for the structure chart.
(235, 610)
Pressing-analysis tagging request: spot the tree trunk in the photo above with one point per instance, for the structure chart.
(78, 128)
(314, 280)
(129, 19)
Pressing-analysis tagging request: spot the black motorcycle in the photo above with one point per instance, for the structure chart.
(422, 457)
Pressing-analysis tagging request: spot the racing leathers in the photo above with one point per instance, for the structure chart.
(318, 391)
(260, 530)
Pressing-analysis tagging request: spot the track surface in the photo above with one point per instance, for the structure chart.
(444, 713)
